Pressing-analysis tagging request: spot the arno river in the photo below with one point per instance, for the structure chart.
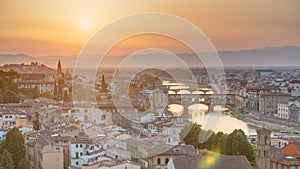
(216, 121)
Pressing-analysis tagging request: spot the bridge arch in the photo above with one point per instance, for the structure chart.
(171, 92)
(210, 92)
(177, 109)
(197, 92)
(183, 92)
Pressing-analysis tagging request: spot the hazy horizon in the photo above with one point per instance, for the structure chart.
(35, 29)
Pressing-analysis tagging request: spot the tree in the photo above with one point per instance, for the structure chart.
(24, 164)
(216, 142)
(235, 143)
(6, 161)
(239, 145)
(14, 143)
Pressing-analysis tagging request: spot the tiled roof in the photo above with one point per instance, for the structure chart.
(294, 81)
(181, 149)
(221, 162)
(274, 94)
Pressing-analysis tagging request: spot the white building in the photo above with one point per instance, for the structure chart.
(279, 82)
(84, 152)
(282, 111)
(42, 81)
(279, 142)
(87, 113)
(295, 87)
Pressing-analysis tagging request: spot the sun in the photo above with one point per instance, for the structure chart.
(85, 24)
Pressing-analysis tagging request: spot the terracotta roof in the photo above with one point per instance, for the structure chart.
(294, 81)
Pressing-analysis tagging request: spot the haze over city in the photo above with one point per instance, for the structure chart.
(151, 84)
(45, 28)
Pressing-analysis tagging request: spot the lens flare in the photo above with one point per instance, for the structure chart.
(208, 160)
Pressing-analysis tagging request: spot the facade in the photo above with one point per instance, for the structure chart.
(240, 102)
(279, 142)
(295, 87)
(9, 119)
(86, 113)
(253, 94)
(160, 161)
(294, 111)
(49, 156)
(279, 82)
(42, 85)
(158, 99)
(282, 111)
(263, 152)
(64, 143)
(83, 152)
(32, 153)
(268, 102)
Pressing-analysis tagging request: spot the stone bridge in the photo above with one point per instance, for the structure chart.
(210, 100)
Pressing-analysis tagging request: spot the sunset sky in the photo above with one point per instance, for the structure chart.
(55, 27)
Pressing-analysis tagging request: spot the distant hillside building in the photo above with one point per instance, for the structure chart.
(45, 79)
(63, 82)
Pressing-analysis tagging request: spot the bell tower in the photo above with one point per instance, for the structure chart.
(59, 68)
(263, 148)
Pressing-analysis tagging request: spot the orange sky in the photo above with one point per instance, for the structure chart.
(55, 27)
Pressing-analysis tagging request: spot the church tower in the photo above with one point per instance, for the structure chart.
(263, 154)
(59, 68)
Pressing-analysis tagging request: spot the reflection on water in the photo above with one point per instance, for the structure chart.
(216, 121)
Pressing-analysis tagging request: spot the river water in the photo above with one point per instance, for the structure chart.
(216, 121)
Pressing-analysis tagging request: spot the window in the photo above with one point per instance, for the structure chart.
(158, 161)
(77, 163)
(80, 153)
(80, 145)
(167, 160)
(76, 154)
(76, 145)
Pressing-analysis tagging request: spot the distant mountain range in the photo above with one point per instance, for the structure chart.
(269, 56)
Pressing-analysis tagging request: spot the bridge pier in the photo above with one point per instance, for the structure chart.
(211, 108)
(185, 112)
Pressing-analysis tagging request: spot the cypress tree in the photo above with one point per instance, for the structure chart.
(6, 161)
(24, 164)
(15, 145)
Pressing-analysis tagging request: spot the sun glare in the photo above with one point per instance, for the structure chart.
(85, 24)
